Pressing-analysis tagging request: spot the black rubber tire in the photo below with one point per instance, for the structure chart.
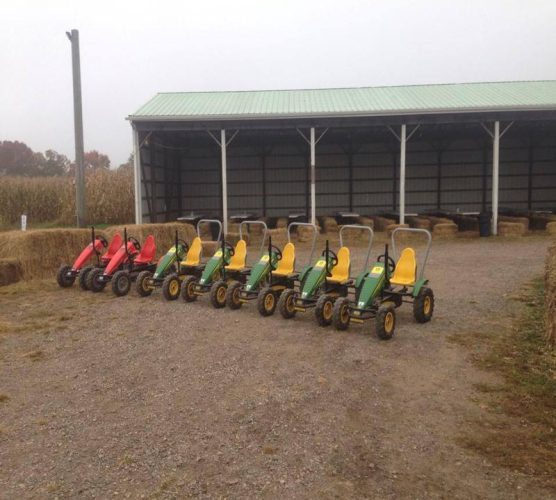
(187, 287)
(93, 284)
(218, 294)
(324, 310)
(83, 276)
(171, 287)
(385, 321)
(286, 304)
(423, 305)
(266, 305)
(340, 315)
(121, 283)
(232, 295)
(140, 284)
(61, 277)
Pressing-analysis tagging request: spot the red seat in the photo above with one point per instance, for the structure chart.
(112, 248)
(148, 251)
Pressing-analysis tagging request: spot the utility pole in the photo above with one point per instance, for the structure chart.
(81, 210)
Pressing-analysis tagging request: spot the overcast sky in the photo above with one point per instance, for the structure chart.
(131, 50)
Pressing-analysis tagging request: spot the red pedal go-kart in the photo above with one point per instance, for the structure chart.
(125, 265)
(66, 275)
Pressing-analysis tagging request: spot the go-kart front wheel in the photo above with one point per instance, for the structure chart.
(64, 277)
(142, 285)
(188, 289)
(93, 282)
(171, 287)
(324, 310)
(423, 305)
(218, 294)
(121, 283)
(266, 301)
(341, 314)
(83, 276)
(286, 304)
(385, 321)
(232, 295)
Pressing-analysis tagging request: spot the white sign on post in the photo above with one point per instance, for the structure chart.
(24, 222)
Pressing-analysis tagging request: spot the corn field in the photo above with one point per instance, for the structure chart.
(51, 200)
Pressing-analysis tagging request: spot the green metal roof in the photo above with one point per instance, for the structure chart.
(346, 102)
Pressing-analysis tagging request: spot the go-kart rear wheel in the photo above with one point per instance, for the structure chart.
(266, 301)
(324, 310)
(218, 294)
(64, 277)
(83, 276)
(341, 314)
(188, 289)
(121, 283)
(385, 321)
(423, 305)
(286, 304)
(93, 282)
(142, 285)
(232, 295)
(171, 287)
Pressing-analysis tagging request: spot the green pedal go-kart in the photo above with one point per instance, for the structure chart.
(325, 282)
(227, 265)
(270, 276)
(180, 261)
(389, 283)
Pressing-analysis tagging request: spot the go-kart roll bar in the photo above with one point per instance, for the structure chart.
(371, 237)
(315, 232)
(413, 230)
(214, 221)
(252, 223)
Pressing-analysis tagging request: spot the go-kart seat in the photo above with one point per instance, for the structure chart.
(406, 268)
(148, 251)
(286, 265)
(237, 262)
(340, 272)
(193, 257)
(115, 244)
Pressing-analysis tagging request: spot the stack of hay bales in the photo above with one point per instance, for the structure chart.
(366, 221)
(551, 228)
(391, 227)
(550, 295)
(257, 229)
(281, 222)
(518, 220)
(381, 223)
(445, 230)
(305, 233)
(10, 271)
(511, 229)
(233, 238)
(419, 222)
(329, 224)
(436, 220)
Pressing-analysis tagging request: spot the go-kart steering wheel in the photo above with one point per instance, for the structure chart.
(277, 250)
(334, 256)
(230, 248)
(391, 263)
(135, 242)
(102, 239)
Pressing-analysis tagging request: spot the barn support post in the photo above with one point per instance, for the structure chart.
(224, 181)
(313, 178)
(137, 177)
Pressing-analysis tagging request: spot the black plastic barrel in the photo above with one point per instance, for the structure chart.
(484, 224)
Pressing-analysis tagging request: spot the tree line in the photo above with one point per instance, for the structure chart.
(18, 159)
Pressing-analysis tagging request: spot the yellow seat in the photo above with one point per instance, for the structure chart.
(406, 268)
(286, 265)
(237, 262)
(340, 272)
(193, 257)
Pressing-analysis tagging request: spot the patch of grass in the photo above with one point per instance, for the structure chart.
(35, 355)
(4, 397)
(520, 430)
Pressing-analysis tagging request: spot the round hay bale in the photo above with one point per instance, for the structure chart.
(381, 223)
(418, 223)
(329, 224)
(10, 271)
(445, 230)
(519, 220)
(391, 227)
(366, 221)
(510, 229)
(551, 228)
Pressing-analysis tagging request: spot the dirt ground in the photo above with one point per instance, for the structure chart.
(129, 397)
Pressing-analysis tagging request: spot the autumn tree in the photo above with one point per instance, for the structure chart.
(55, 163)
(16, 158)
(95, 160)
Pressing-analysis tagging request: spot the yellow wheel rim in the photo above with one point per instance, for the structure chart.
(389, 322)
(427, 305)
(221, 294)
(146, 286)
(327, 309)
(174, 287)
(269, 301)
(345, 314)
(190, 288)
(290, 304)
